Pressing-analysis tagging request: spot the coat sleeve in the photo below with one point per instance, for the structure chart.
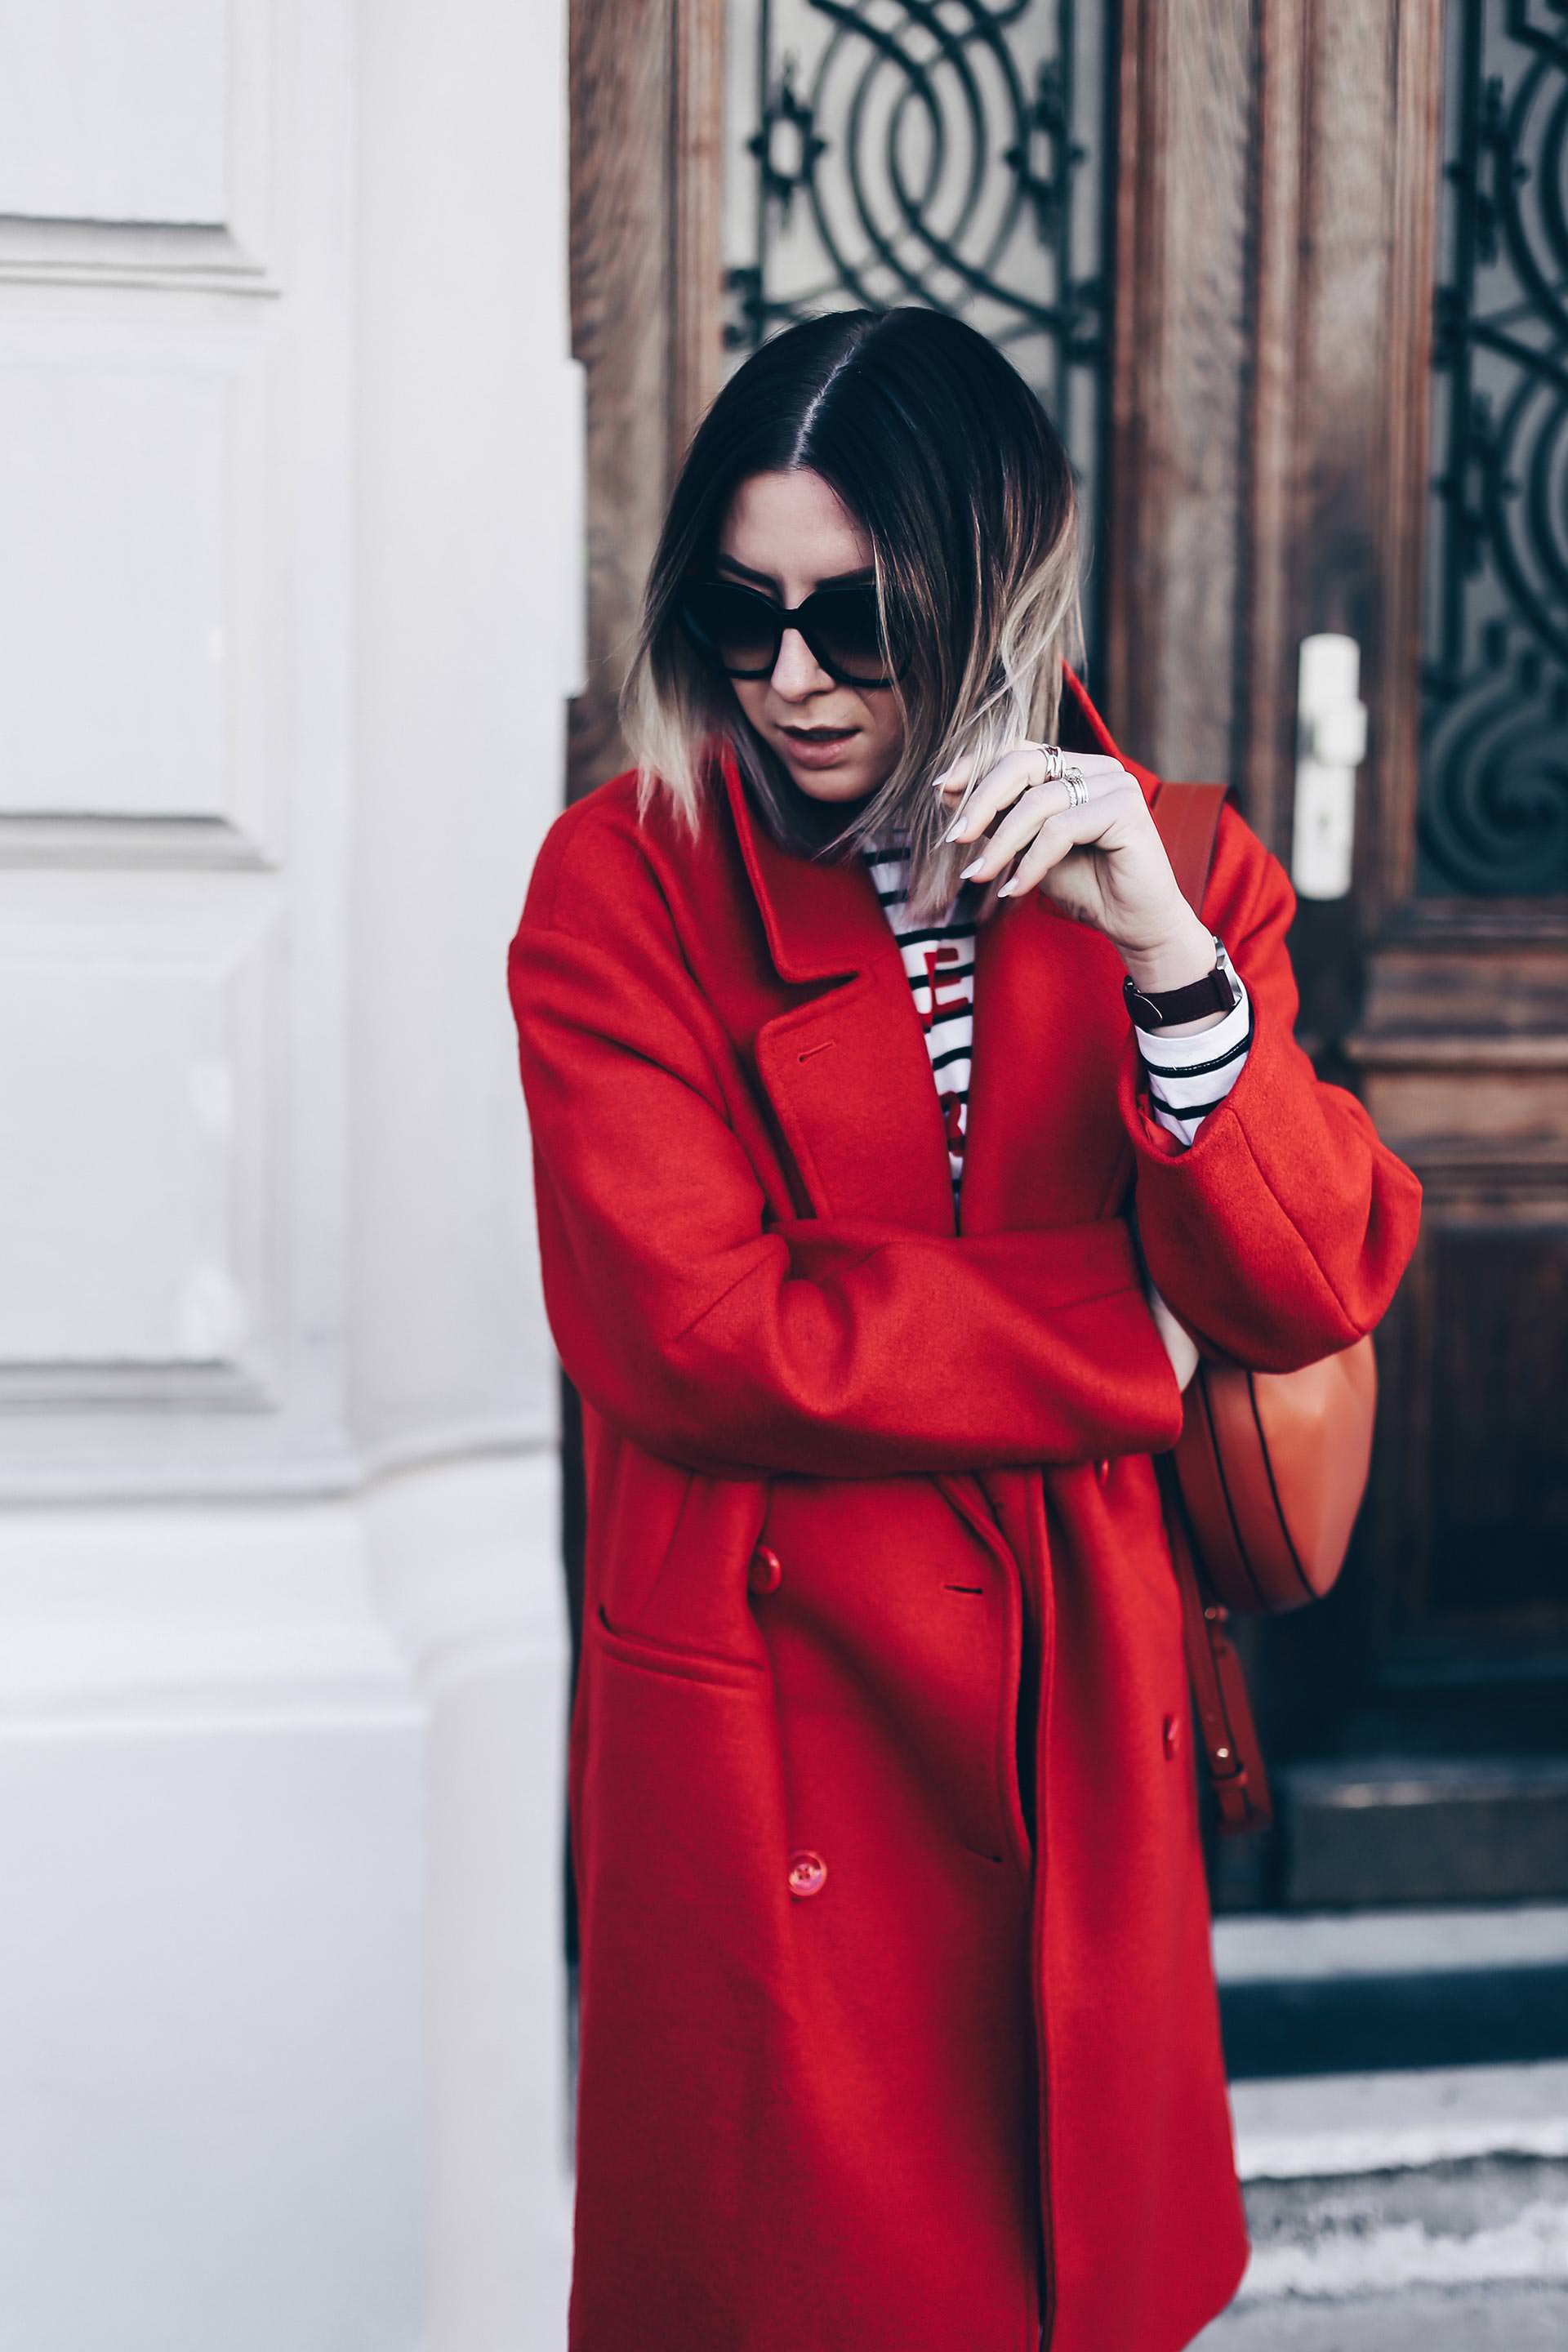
(1281, 1234)
(834, 1345)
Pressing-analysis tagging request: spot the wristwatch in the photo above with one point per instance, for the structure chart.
(1159, 1008)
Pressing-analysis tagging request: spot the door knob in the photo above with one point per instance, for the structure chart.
(1331, 744)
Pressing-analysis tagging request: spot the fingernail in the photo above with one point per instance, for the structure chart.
(972, 869)
(956, 828)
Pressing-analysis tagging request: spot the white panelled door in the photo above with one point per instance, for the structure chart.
(286, 541)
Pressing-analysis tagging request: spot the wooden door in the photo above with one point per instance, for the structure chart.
(1299, 190)
(1392, 357)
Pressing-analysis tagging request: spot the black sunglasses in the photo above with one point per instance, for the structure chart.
(739, 631)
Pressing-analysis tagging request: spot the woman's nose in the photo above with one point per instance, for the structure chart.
(797, 671)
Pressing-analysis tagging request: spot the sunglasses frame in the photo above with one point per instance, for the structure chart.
(780, 618)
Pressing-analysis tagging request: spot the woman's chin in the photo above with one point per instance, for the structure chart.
(831, 788)
(849, 779)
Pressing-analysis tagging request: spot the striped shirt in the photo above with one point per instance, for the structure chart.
(1188, 1076)
(939, 961)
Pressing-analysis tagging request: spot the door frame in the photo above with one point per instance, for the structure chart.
(647, 98)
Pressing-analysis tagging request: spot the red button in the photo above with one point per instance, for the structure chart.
(766, 1570)
(1172, 1732)
(1102, 1470)
(806, 1873)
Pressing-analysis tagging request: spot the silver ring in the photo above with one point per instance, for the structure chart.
(1077, 791)
(1053, 752)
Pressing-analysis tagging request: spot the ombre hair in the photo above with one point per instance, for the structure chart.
(935, 444)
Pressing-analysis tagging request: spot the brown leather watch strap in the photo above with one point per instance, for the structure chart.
(1154, 1009)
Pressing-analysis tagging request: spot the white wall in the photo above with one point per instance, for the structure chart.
(290, 595)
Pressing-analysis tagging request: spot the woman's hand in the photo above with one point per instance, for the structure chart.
(1102, 862)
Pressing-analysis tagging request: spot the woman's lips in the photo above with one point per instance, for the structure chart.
(815, 750)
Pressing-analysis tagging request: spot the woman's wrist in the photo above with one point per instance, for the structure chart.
(1186, 954)
(1176, 964)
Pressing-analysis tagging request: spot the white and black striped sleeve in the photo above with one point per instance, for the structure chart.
(1190, 1077)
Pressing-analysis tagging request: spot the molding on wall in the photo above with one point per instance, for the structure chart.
(129, 252)
(361, 1611)
(117, 843)
(46, 240)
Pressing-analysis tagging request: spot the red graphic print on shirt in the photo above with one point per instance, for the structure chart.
(937, 960)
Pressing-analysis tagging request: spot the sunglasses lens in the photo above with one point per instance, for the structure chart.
(732, 626)
(738, 630)
(845, 625)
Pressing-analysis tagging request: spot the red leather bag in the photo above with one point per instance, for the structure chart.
(1263, 1487)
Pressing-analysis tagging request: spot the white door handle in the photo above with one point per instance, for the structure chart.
(1331, 744)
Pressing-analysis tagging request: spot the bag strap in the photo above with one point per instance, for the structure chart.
(1187, 819)
(1232, 1751)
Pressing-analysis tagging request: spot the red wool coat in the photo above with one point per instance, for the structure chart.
(874, 2053)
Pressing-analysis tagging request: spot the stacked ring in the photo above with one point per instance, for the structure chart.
(1077, 791)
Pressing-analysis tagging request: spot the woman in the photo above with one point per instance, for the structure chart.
(898, 2021)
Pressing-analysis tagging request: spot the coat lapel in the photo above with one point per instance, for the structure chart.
(845, 1068)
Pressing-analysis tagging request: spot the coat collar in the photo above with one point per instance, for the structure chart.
(817, 916)
(846, 1069)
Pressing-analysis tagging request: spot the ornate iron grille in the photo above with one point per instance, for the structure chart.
(1494, 784)
(943, 152)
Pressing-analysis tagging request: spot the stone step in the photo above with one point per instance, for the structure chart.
(1469, 2319)
(1373, 2197)
(1331, 1993)
(1392, 1829)
(1399, 2204)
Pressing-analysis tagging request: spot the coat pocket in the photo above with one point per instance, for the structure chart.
(672, 1557)
(661, 1657)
